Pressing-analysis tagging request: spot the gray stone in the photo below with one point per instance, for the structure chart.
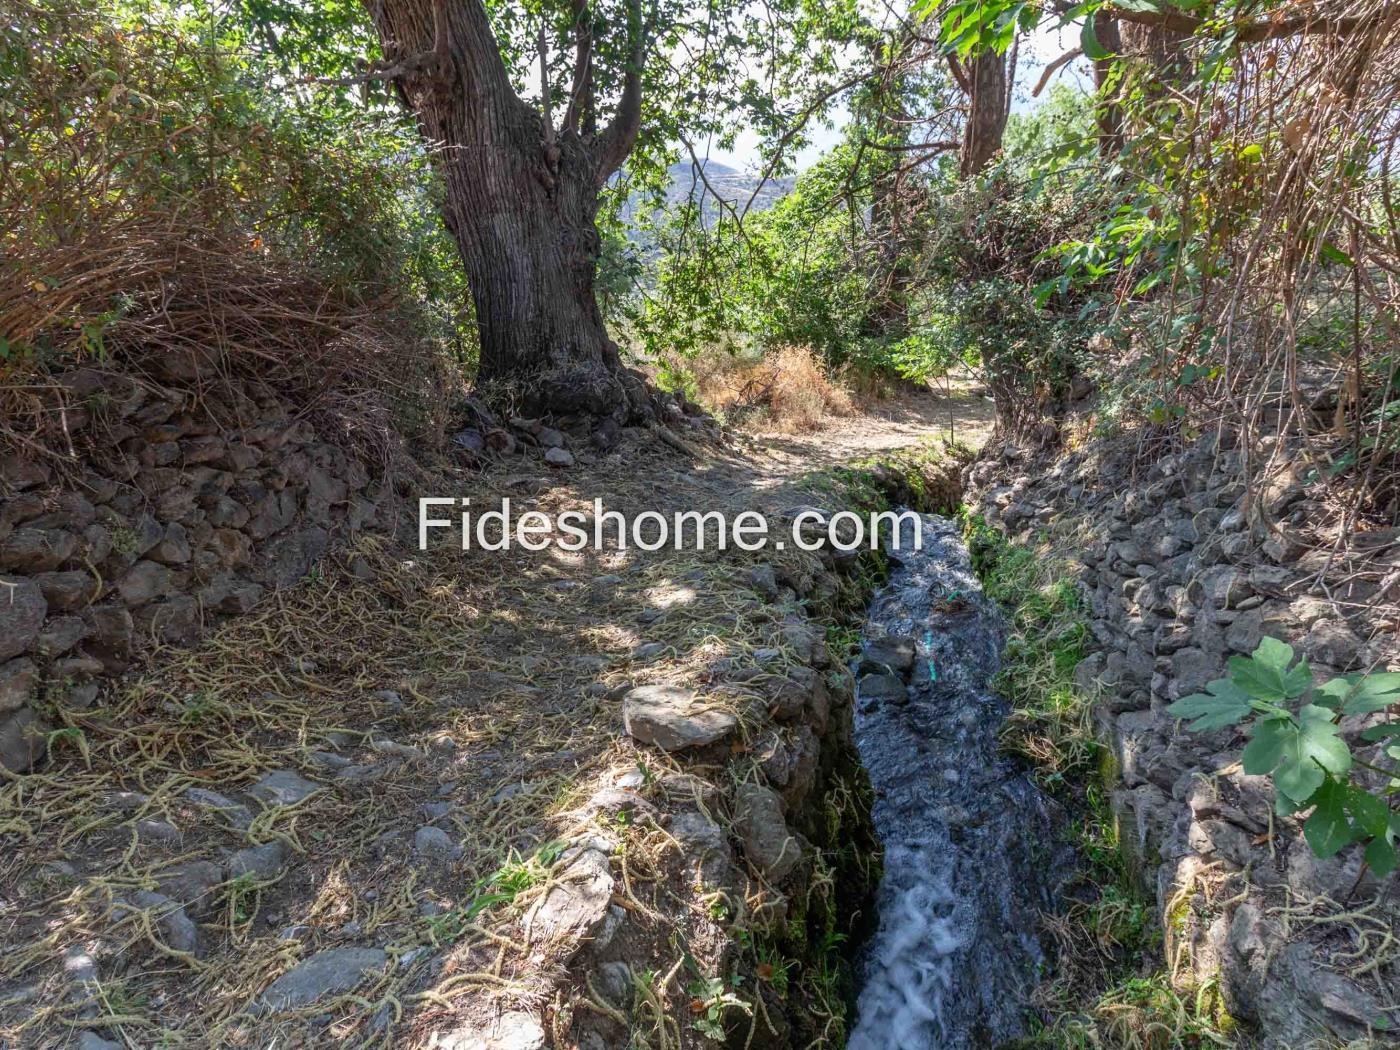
(65, 591)
(111, 630)
(22, 612)
(334, 971)
(282, 787)
(17, 681)
(559, 457)
(1192, 668)
(60, 635)
(234, 813)
(894, 652)
(576, 905)
(548, 437)
(144, 582)
(93, 1041)
(174, 546)
(192, 885)
(176, 928)
(764, 580)
(263, 862)
(161, 831)
(883, 688)
(769, 845)
(22, 740)
(1332, 642)
(430, 841)
(673, 719)
(515, 1030)
(707, 852)
(29, 550)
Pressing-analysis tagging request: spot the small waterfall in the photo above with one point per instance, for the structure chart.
(969, 861)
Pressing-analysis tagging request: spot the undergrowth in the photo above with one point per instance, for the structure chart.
(1109, 987)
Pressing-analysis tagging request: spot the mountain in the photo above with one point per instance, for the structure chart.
(717, 187)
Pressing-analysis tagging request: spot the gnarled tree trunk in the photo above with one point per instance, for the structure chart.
(521, 199)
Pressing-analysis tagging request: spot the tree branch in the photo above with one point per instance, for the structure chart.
(579, 114)
(1063, 60)
(959, 74)
(617, 139)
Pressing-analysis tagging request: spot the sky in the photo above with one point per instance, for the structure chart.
(1037, 50)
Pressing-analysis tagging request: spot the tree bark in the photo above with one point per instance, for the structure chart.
(520, 201)
(987, 111)
(1108, 114)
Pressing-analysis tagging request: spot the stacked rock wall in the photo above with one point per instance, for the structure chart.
(1183, 565)
(165, 507)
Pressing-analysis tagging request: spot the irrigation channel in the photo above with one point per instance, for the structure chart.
(969, 856)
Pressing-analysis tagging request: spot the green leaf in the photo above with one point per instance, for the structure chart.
(1371, 814)
(1381, 732)
(1381, 856)
(1332, 253)
(1089, 41)
(1251, 152)
(1266, 747)
(1263, 675)
(1363, 694)
(1226, 705)
(1299, 753)
(1327, 829)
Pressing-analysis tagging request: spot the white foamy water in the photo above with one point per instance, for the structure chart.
(909, 964)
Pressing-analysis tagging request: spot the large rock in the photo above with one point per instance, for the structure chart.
(577, 902)
(22, 612)
(193, 885)
(28, 550)
(330, 972)
(769, 845)
(144, 582)
(263, 862)
(175, 927)
(673, 719)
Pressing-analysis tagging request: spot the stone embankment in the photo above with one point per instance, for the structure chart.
(1182, 564)
(172, 508)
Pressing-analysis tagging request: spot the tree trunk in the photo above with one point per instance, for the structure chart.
(1108, 114)
(521, 199)
(987, 111)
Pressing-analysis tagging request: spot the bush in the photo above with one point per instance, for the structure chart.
(789, 389)
(158, 202)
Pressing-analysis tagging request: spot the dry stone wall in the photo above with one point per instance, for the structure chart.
(1182, 565)
(165, 508)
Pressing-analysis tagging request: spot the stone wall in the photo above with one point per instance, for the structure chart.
(1182, 565)
(165, 507)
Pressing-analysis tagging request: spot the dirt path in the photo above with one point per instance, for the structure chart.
(358, 813)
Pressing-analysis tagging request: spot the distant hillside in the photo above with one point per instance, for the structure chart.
(727, 187)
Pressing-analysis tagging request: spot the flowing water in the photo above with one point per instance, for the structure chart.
(969, 860)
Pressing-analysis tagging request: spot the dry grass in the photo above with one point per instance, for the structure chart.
(789, 390)
(148, 229)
